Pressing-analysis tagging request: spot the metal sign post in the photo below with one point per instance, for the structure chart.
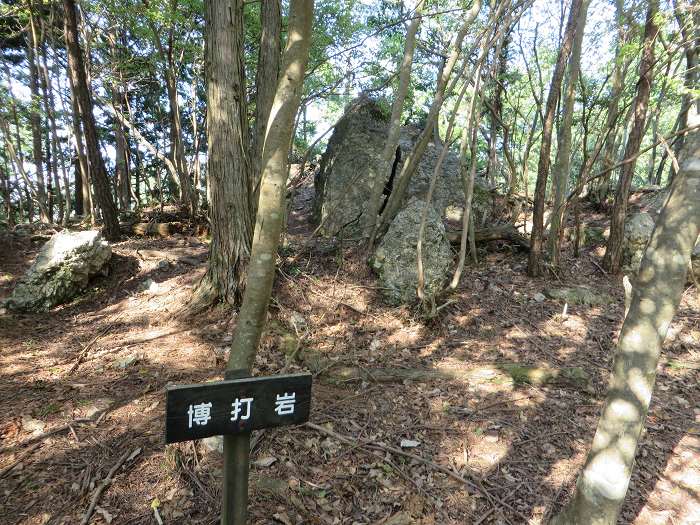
(233, 408)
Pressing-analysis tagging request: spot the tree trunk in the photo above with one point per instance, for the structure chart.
(496, 115)
(393, 135)
(562, 163)
(230, 206)
(34, 116)
(603, 186)
(603, 484)
(270, 216)
(265, 82)
(688, 19)
(121, 146)
(81, 174)
(534, 266)
(613, 251)
(251, 319)
(177, 148)
(410, 165)
(81, 93)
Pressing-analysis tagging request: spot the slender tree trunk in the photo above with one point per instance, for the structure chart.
(5, 184)
(411, 163)
(81, 93)
(268, 226)
(603, 186)
(562, 163)
(270, 215)
(265, 83)
(613, 251)
(688, 17)
(496, 115)
(230, 207)
(394, 133)
(121, 146)
(602, 485)
(34, 115)
(534, 266)
(81, 174)
(177, 147)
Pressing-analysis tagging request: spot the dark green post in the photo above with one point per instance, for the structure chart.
(234, 506)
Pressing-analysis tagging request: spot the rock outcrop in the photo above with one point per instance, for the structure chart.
(395, 257)
(638, 230)
(350, 171)
(61, 271)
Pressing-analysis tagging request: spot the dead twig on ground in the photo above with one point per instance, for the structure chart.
(5, 471)
(86, 348)
(476, 485)
(106, 482)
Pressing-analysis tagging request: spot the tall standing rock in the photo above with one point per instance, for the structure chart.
(351, 168)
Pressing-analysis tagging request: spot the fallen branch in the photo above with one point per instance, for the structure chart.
(86, 348)
(506, 232)
(515, 372)
(163, 229)
(475, 483)
(5, 471)
(105, 483)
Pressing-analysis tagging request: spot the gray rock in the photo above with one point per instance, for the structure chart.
(163, 264)
(539, 297)
(578, 295)
(395, 257)
(61, 271)
(214, 444)
(350, 171)
(638, 230)
(149, 286)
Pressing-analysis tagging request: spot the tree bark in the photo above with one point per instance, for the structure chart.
(410, 165)
(268, 225)
(688, 19)
(81, 93)
(230, 207)
(534, 266)
(613, 251)
(270, 216)
(602, 486)
(393, 135)
(265, 82)
(562, 163)
(603, 186)
(34, 115)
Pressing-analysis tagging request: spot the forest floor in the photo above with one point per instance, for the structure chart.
(83, 385)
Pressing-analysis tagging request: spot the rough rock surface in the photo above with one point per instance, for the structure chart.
(638, 230)
(61, 271)
(350, 170)
(395, 258)
(578, 295)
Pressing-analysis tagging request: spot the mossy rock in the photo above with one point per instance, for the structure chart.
(579, 295)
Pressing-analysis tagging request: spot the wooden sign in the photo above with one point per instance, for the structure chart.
(236, 406)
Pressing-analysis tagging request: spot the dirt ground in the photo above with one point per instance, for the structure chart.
(82, 386)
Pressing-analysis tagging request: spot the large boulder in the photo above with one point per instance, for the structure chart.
(395, 257)
(638, 230)
(350, 171)
(61, 270)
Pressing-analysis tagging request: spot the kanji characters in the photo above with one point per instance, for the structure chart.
(238, 405)
(284, 405)
(199, 414)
